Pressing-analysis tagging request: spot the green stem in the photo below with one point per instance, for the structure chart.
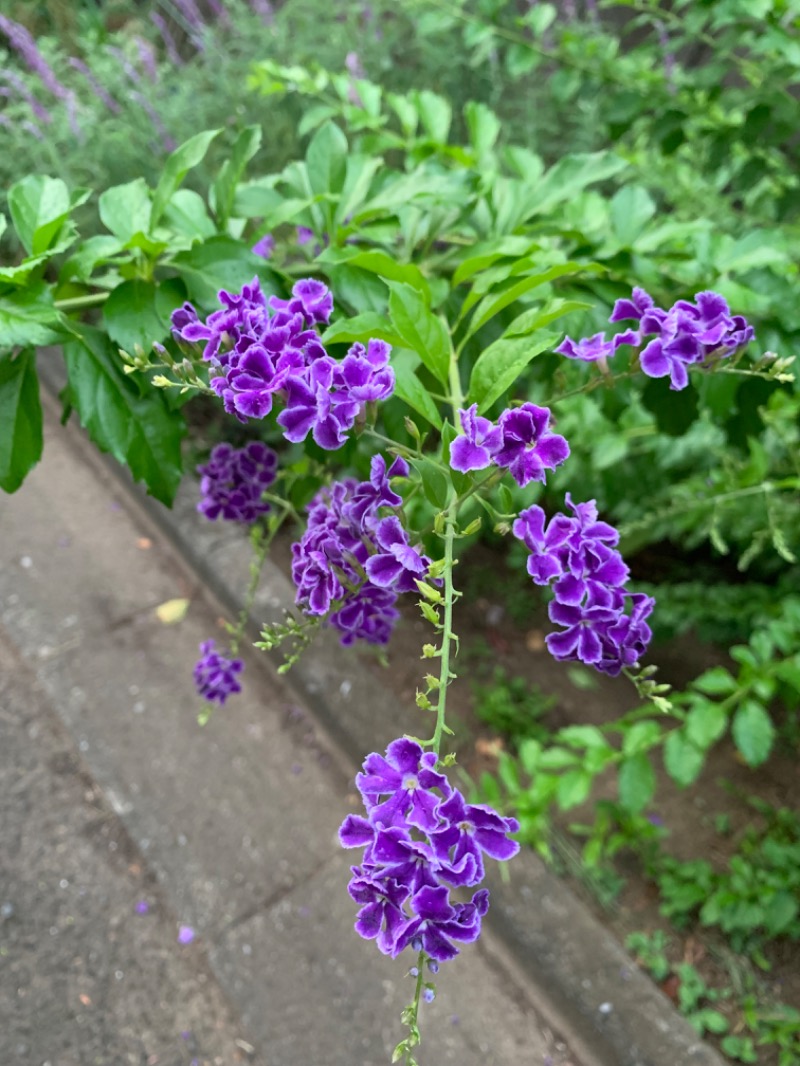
(445, 677)
(75, 303)
(413, 1023)
(263, 542)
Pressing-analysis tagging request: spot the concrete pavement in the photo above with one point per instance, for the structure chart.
(233, 825)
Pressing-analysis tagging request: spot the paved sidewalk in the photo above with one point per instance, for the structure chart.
(234, 825)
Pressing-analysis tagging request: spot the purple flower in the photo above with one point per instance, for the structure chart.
(438, 922)
(577, 556)
(687, 334)
(528, 448)
(547, 547)
(314, 406)
(478, 444)
(473, 830)
(233, 482)
(366, 374)
(142, 907)
(215, 676)
(97, 88)
(396, 564)
(377, 492)
(22, 42)
(420, 839)
(368, 614)
(186, 934)
(265, 246)
(310, 297)
(401, 789)
(169, 43)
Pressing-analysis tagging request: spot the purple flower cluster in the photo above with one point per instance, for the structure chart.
(355, 561)
(234, 480)
(420, 839)
(604, 625)
(688, 334)
(215, 676)
(521, 442)
(263, 349)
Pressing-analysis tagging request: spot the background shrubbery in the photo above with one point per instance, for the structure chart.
(558, 157)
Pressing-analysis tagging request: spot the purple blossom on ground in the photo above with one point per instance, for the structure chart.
(215, 676)
(688, 334)
(186, 934)
(420, 840)
(234, 480)
(142, 907)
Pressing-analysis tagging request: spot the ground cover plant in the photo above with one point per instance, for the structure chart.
(528, 347)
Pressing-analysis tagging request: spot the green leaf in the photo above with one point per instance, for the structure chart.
(434, 482)
(683, 760)
(637, 783)
(87, 255)
(326, 159)
(176, 166)
(361, 328)
(640, 737)
(435, 113)
(186, 214)
(494, 303)
(139, 431)
(220, 263)
(715, 682)
(20, 419)
(360, 172)
(39, 207)
(631, 209)
(484, 255)
(28, 317)
(254, 199)
(573, 788)
(571, 174)
(135, 317)
(224, 188)
(125, 210)
(420, 329)
(499, 366)
(537, 317)
(753, 732)
(483, 125)
(410, 389)
(705, 723)
(377, 262)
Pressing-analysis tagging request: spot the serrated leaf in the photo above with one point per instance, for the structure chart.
(705, 723)
(20, 419)
(220, 263)
(410, 389)
(573, 788)
(224, 189)
(434, 482)
(715, 682)
(137, 430)
(683, 760)
(134, 316)
(420, 329)
(39, 207)
(28, 317)
(753, 732)
(494, 303)
(326, 159)
(175, 168)
(499, 366)
(637, 782)
(125, 210)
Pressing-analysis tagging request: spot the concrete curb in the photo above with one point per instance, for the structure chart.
(578, 975)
